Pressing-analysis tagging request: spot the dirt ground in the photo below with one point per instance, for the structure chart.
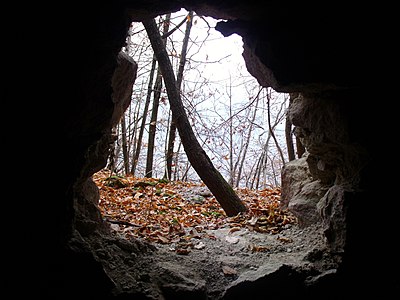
(219, 259)
(204, 260)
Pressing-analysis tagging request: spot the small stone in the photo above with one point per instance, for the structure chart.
(232, 239)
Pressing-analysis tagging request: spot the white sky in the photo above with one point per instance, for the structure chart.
(214, 70)
(227, 51)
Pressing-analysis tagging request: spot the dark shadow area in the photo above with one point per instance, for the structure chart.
(65, 249)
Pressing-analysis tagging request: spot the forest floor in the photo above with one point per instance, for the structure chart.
(197, 245)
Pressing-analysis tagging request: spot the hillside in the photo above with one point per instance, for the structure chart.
(195, 247)
(165, 212)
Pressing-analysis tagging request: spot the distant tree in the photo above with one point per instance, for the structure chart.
(271, 130)
(300, 149)
(289, 134)
(226, 116)
(223, 192)
(111, 165)
(243, 150)
(153, 124)
(179, 78)
(154, 111)
(266, 161)
(136, 152)
(135, 116)
(124, 144)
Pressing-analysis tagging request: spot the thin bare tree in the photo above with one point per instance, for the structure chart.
(278, 147)
(136, 152)
(223, 192)
(179, 78)
(266, 162)
(124, 145)
(289, 134)
(245, 147)
(154, 111)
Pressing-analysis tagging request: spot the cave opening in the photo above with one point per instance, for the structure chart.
(216, 77)
(215, 257)
(226, 106)
(324, 187)
(146, 187)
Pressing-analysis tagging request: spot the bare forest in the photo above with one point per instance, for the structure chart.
(240, 126)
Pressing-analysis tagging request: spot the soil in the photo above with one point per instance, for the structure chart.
(219, 260)
(212, 262)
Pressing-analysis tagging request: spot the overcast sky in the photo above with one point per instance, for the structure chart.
(217, 84)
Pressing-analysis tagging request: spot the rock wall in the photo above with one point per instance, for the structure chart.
(313, 50)
(333, 163)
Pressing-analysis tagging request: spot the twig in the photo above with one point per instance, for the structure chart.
(121, 222)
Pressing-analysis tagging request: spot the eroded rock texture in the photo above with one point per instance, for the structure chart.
(310, 50)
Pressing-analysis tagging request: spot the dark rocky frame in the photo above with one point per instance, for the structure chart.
(285, 51)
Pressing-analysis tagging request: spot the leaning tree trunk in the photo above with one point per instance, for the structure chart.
(223, 192)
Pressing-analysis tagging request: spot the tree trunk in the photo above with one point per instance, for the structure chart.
(223, 192)
(289, 138)
(153, 124)
(271, 128)
(170, 150)
(154, 112)
(111, 160)
(246, 145)
(144, 118)
(288, 132)
(124, 145)
(179, 77)
(231, 171)
(300, 148)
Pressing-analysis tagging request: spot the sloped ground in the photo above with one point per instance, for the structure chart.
(214, 257)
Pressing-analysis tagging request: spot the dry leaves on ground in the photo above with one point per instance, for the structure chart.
(166, 212)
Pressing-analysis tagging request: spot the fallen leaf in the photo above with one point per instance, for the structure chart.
(233, 229)
(158, 208)
(284, 240)
(255, 248)
(182, 251)
(162, 239)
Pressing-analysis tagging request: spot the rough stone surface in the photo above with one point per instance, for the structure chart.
(221, 269)
(331, 56)
(301, 192)
(332, 208)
